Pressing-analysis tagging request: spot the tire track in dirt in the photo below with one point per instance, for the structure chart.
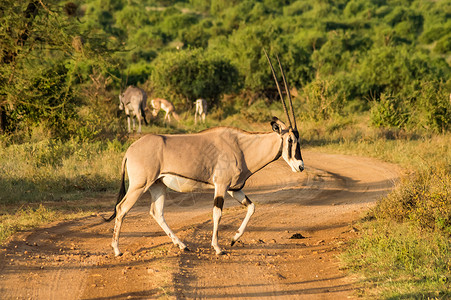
(73, 260)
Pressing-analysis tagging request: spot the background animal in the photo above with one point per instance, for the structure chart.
(201, 110)
(134, 102)
(163, 104)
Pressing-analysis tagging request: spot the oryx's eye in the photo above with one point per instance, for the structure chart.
(290, 140)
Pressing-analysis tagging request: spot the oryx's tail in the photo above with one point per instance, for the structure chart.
(121, 194)
(143, 114)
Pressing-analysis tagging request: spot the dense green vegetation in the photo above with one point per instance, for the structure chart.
(369, 77)
(63, 63)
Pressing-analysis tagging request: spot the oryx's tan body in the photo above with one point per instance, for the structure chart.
(165, 105)
(201, 110)
(222, 154)
(134, 102)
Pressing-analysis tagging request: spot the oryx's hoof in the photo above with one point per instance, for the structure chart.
(186, 249)
(118, 254)
(232, 242)
(222, 252)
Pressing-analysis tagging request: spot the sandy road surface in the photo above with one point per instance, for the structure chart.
(73, 260)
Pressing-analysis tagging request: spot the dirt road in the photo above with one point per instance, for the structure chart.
(73, 260)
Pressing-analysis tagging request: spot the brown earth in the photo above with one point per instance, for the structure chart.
(73, 260)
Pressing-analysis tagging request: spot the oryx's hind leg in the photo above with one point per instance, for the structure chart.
(139, 122)
(133, 194)
(243, 199)
(128, 123)
(134, 123)
(158, 192)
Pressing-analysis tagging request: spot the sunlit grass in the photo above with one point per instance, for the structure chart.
(404, 247)
(31, 217)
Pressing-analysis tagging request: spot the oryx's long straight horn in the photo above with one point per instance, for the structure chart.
(278, 88)
(288, 93)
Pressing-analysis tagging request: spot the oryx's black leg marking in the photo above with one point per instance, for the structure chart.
(247, 201)
(219, 202)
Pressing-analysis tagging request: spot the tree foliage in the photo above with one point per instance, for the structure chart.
(43, 53)
(359, 49)
(187, 75)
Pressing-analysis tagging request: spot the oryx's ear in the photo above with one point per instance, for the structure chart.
(277, 125)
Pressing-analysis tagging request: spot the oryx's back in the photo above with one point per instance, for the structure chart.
(134, 94)
(194, 156)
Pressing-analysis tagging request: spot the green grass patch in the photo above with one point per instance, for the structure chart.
(51, 170)
(403, 251)
(30, 217)
(401, 261)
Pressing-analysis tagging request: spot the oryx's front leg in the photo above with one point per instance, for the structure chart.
(243, 199)
(167, 117)
(158, 192)
(217, 214)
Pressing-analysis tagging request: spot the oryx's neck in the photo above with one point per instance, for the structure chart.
(259, 149)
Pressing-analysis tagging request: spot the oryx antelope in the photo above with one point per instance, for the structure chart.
(221, 158)
(134, 102)
(167, 106)
(201, 110)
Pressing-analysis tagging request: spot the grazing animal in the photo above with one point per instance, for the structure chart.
(167, 106)
(201, 110)
(220, 158)
(134, 102)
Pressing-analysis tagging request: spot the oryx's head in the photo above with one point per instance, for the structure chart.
(291, 144)
(156, 107)
(121, 104)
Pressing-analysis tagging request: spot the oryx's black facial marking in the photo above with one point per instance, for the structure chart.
(219, 202)
(290, 144)
(297, 150)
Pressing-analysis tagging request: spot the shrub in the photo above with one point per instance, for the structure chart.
(186, 75)
(423, 198)
(322, 100)
(433, 107)
(389, 111)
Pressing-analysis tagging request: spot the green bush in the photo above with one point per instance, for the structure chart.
(186, 75)
(432, 107)
(389, 111)
(423, 199)
(323, 99)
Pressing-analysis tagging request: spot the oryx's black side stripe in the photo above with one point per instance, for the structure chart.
(219, 202)
(197, 180)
